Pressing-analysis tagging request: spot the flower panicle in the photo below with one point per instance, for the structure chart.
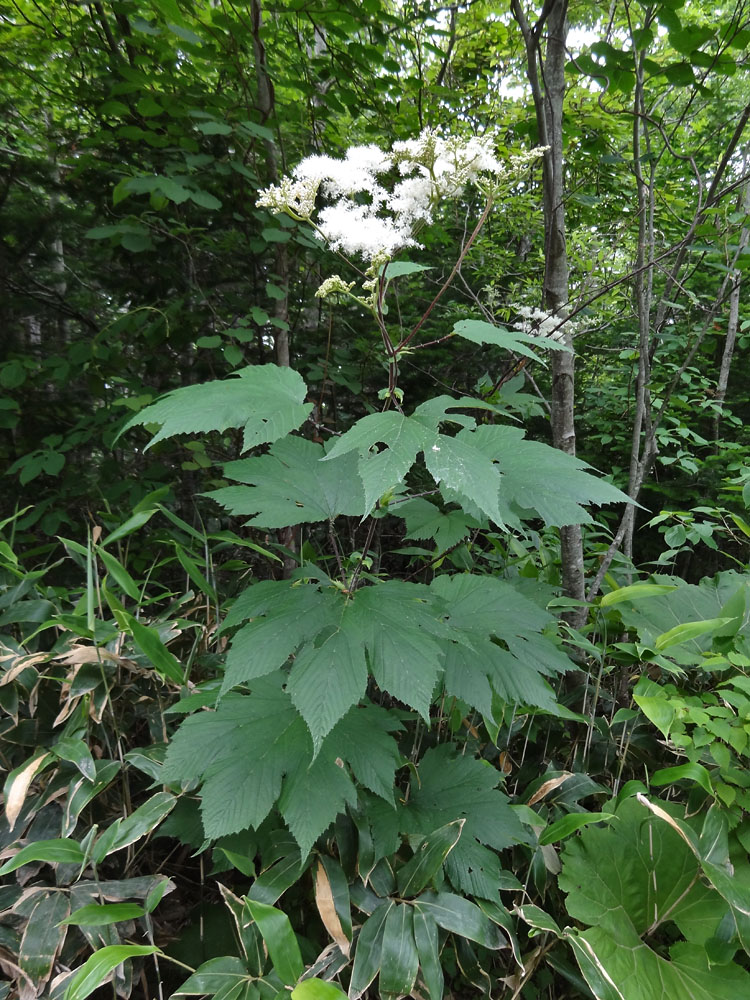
(363, 216)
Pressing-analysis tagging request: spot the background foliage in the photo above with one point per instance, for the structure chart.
(287, 700)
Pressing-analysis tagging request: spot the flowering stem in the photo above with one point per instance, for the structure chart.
(451, 276)
(390, 350)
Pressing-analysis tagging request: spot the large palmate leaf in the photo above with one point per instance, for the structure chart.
(452, 787)
(290, 485)
(241, 753)
(268, 402)
(455, 463)
(402, 439)
(657, 617)
(425, 520)
(283, 617)
(483, 609)
(537, 477)
(628, 882)
(255, 751)
(401, 625)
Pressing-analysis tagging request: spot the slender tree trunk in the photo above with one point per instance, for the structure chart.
(546, 76)
(732, 324)
(266, 106)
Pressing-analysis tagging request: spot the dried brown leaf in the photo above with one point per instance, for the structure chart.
(327, 909)
(548, 787)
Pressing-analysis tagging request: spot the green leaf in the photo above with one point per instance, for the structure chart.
(570, 823)
(479, 332)
(100, 915)
(402, 437)
(148, 641)
(428, 949)
(119, 574)
(399, 960)
(425, 520)
(241, 753)
(317, 989)
(267, 401)
(214, 128)
(687, 631)
(279, 627)
(536, 917)
(369, 950)
(537, 477)
(327, 679)
(636, 591)
(205, 200)
(277, 878)
(455, 463)
(43, 936)
(77, 753)
(138, 824)
(450, 786)
(214, 976)
(291, 485)
(399, 268)
(97, 968)
(64, 852)
(280, 940)
(428, 858)
(459, 916)
(626, 880)
(480, 609)
(314, 795)
(400, 629)
(691, 772)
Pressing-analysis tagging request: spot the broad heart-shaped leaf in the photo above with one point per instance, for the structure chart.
(618, 965)
(724, 595)
(628, 881)
(479, 332)
(290, 485)
(403, 438)
(267, 401)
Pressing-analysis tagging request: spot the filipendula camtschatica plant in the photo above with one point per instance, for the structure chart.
(333, 707)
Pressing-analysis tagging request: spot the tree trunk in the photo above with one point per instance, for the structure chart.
(546, 76)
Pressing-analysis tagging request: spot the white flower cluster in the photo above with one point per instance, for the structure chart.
(335, 285)
(538, 323)
(297, 197)
(365, 217)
